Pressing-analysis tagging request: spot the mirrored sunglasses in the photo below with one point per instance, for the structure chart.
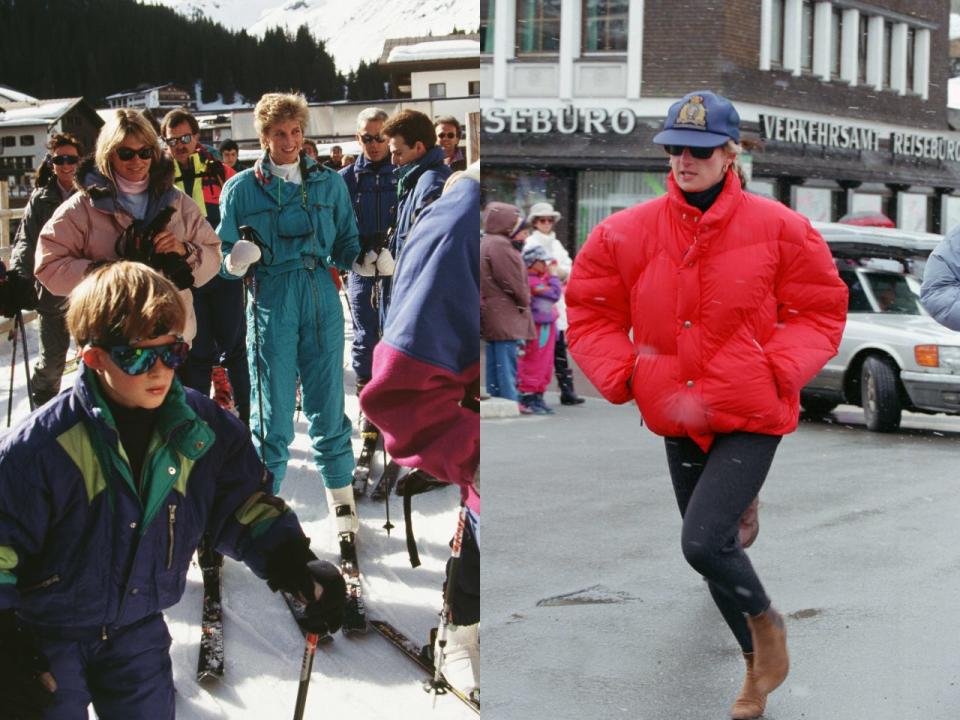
(65, 159)
(700, 153)
(125, 153)
(183, 140)
(448, 135)
(138, 360)
(366, 139)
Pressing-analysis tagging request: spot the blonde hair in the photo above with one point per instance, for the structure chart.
(278, 107)
(121, 125)
(122, 301)
(733, 150)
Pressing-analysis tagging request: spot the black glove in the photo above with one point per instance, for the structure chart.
(293, 568)
(21, 663)
(175, 268)
(16, 293)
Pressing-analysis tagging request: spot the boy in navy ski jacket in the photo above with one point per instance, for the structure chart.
(104, 495)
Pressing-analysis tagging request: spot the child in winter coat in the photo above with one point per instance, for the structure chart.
(534, 366)
(104, 494)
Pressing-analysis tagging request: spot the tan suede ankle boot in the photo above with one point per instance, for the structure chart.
(750, 703)
(771, 662)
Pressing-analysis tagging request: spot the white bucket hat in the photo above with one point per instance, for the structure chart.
(542, 209)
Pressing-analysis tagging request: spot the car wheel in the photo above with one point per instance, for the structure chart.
(816, 406)
(880, 399)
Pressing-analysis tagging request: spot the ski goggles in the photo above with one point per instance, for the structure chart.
(700, 153)
(138, 360)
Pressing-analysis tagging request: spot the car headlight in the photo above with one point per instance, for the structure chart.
(950, 358)
(946, 357)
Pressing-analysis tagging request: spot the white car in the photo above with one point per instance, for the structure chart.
(893, 355)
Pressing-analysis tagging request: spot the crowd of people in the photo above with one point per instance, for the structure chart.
(175, 269)
(524, 269)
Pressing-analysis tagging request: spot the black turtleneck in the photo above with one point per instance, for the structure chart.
(704, 199)
(135, 428)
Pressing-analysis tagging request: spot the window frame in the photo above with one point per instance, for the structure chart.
(538, 25)
(605, 19)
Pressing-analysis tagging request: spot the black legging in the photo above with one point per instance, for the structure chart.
(713, 489)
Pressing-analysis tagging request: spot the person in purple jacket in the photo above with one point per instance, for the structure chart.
(424, 394)
(535, 365)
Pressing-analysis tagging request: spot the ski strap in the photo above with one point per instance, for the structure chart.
(408, 523)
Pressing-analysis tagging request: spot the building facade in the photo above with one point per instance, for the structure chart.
(843, 103)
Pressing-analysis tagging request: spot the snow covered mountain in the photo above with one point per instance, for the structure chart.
(352, 31)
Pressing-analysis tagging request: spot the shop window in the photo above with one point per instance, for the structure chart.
(865, 202)
(538, 27)
(949, 213)
(437, 90)
(912, 212)
(814, 203)
(487, 17)
(605, 26)
(836, 44)
(776, 33)
(603, 192)
(806, 37)
(765, 188)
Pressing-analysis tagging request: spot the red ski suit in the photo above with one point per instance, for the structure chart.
(732, 312)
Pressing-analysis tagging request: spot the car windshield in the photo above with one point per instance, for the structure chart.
(883, 292)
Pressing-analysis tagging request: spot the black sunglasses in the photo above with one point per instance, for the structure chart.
(448, 136)
(125, 153)
(700, 153)
(183, 140)
(65, 159)
(367, 138)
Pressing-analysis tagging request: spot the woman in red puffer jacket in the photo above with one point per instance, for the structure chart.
(734, 303)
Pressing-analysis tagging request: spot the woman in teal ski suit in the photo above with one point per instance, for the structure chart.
(302, 214)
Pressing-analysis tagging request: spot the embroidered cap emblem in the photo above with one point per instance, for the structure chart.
(693, 114)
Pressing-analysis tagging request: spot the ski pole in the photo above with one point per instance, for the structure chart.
(306, 668)
(436, 684)
(13, 367)
(26, 355)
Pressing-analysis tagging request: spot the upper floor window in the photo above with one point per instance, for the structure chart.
(862, 50)
(887, 42)
(911, 48)
(487, 16)
(437, 90)
(538, 27)
(806, 37)
(26, 139)
(473, 87)
(9, 141)
(605, 25)
(776, 33)
(836, 33)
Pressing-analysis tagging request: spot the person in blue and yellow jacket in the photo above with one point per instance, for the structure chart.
(104, 494)
(301, 223)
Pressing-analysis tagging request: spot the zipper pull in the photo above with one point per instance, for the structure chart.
(171, 521)
(103, 633)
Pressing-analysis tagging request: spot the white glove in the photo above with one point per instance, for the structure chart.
(241, 257)
(369, 266)
(385, 263)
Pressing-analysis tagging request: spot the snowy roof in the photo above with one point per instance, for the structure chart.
(41, 112)
(9, 95)
(435, 50)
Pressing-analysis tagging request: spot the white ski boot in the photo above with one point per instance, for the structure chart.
(461, 658)
(346, 523)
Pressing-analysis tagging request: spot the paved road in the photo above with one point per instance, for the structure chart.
(589, 610)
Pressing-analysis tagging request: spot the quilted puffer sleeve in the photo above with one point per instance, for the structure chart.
(598, 308)
(811, 311)
(940, 293)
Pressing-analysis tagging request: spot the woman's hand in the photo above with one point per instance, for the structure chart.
(166, 242)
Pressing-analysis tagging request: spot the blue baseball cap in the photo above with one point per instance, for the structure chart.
(700, 119)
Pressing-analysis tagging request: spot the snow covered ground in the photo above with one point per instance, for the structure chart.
(365, 677)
